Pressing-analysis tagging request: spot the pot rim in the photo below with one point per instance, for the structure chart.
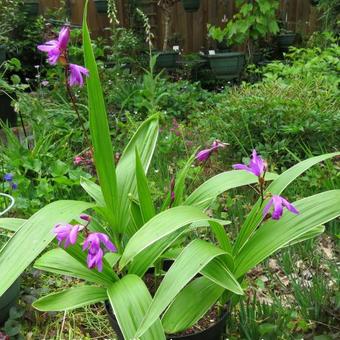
(224, 55)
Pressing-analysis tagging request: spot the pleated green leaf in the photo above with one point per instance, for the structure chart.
(221, 236)
(143, 261)
(136, 217)
(180, 181)
(159, 227)
(273, 235)
(317, 231)
(144, 140)
(130, 300)
(58, 261)
(71, 298)
(11, 224)
(191, 261)
(93, 190)
(205, 194)
(99, 127)
(190, 305)
(33, 237)
(146, 205)
(279, 184)
(218, 272)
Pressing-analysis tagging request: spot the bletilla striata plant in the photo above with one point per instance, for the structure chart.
(127, 234)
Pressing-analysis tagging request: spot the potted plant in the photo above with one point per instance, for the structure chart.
(285, 39)
(167, 58)
(9, 298)
(191, 5)
(253, 21)
(124, 234)
(31, 7)
(101, 6)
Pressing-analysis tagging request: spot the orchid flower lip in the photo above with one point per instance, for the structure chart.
(95, 252)
(77, 74)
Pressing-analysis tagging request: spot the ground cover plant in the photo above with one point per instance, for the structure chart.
(290, 277)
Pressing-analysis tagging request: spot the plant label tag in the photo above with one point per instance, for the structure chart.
(212, 52)
(175, 48)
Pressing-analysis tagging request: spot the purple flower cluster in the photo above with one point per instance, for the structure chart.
(68, 234)
(57, 52)
(9, 179)
(258, 167)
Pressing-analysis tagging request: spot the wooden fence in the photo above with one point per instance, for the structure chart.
(191, 28)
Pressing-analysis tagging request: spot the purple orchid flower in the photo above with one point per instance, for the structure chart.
(8, 177)
(95, 260)
(77, 74)
(93, 241)
(204, 155)
(56, 48)
(278, 203)
(257, 165)
(95, 253)
(67, 233)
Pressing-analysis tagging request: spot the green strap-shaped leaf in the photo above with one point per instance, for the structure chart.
(93, 190)
(205, 194)
(255, 216)
(130, 300)
(180, 181)
(11, 224)
(159, 227)
(71, 298)
(190, 305)
(143, 261)
(190, 262)
(273, 235)
(218, 272)
(317, 231)
(60, 262)
(221, 237)
(33, 237)
(136, 217)
(144, 195)
(99, 128)
(144, 140)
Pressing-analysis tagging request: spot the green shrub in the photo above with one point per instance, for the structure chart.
(295, 108)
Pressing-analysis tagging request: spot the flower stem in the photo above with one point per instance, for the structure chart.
(75, 108)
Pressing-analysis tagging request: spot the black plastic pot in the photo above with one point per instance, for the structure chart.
(101, 6)
(257, 57)
(31, 7)
(285, 40)
(7, 113)
(191, 5)
(167, 60)
(215, 332)
(2, 53)
(8, 300)
(227, 65)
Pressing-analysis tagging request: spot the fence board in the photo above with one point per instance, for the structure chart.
(191, 27)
